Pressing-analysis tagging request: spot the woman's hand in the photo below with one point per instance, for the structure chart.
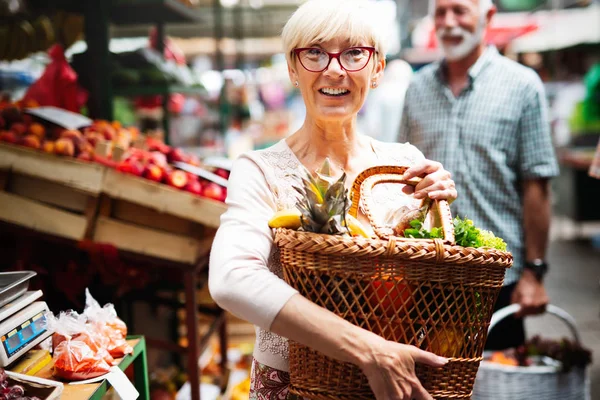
(437, 183)
(390, 368)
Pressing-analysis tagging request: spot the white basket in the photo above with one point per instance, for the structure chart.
(504, 382)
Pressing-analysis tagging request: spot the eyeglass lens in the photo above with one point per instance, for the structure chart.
(352, 59)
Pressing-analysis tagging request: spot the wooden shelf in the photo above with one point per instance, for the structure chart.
(143, 12)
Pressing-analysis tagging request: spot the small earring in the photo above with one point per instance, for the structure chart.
(296, 84)
(374, 84)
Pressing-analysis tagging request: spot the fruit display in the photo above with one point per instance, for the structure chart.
(10, 391)
(112, 145)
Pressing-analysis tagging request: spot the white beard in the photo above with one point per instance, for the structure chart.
(469, 41)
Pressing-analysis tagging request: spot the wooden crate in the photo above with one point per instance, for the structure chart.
(52, 204)
(146, 231)
(163, 198)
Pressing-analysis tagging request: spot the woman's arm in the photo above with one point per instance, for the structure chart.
(239, 277)
(389, 366)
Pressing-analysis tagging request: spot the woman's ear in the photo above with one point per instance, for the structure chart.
(293, 74)
(378, 71)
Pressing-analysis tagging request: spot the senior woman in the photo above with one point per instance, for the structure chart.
(335, 56)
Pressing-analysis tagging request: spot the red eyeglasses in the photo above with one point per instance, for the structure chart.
(352, 59)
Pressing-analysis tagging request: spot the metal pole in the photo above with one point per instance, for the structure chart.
(218, 33)
(238, 32)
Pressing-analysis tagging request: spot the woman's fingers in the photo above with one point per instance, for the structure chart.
(425, 357)
(422, 168)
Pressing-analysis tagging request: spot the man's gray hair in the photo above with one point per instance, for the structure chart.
(484, 5)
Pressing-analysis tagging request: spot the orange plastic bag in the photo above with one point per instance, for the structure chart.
(74, 361)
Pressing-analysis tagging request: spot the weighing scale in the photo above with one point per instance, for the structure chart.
(22, 326)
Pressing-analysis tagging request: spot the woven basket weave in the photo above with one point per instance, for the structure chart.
(427, 293)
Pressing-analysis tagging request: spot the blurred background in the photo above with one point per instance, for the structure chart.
(209, 77)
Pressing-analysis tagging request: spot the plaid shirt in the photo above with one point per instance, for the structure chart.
(491, 137)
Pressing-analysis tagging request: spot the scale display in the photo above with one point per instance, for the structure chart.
(24, 334)
(21, 331)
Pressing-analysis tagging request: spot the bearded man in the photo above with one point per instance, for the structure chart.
(485, 118)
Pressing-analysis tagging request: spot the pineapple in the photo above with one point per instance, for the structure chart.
(323, 202)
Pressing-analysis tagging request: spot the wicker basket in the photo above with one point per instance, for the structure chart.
(547, 382)
(427, 293)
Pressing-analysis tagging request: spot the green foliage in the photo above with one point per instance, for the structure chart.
(417, 231)
(466, 234)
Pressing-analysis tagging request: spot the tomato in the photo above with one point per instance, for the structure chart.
(390, 296)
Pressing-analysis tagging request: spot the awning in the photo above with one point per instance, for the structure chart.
(560, 30)
(529, 32)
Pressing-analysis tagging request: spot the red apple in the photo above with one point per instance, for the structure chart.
(178, 179)
(192, 177)
(8, 137)
(213, 191)
(176, 155)
(223, 173)
(18, 128)
(194, 187)
(154, 173)
(158, 158)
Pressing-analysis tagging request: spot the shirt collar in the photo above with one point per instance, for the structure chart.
(482, 62)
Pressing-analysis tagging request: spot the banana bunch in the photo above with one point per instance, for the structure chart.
(68, 28)
(20, 38)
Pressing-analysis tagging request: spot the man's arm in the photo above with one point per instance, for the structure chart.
(530, 292)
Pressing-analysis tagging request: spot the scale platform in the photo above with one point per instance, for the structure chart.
(22, 326)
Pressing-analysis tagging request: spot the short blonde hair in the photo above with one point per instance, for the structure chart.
(318, 21)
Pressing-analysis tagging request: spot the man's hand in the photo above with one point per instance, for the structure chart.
(531, 294)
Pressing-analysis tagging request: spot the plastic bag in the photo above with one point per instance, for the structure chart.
(70, 325)
(74, 361)
(58, 85)
(106, 314)
(104, 321)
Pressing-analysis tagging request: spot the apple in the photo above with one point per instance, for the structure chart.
(213, 191)
(18, 128)
(176, 155)
(194, 187)
(64, 147)
(132, 167)
(223, 173)
(8, 137)
(178, 179)
(27, 119)
(154, 173)
(31, 141)
(158, 158)
(192, 177)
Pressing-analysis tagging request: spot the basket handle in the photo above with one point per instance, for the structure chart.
(365, 182)
(550, 309)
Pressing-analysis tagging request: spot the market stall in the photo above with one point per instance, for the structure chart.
(122, 198)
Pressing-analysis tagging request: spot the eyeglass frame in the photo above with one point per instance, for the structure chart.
(331, 56)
